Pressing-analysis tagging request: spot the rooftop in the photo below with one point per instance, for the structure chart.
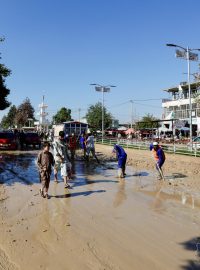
(184, 86)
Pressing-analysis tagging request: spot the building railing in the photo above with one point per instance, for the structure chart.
(173, 148)
(182, 114)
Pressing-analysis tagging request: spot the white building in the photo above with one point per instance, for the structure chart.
(43, 121)
(177, 106)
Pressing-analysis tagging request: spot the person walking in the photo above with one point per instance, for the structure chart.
(121, 157)
(45, 161)
(159, 157)
(90, 147)
(62, 160)
(21, 139)
(72, 145)
(83, 144)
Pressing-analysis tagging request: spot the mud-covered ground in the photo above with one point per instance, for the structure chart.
(101, 222)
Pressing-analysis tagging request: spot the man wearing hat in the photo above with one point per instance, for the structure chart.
(159, 157)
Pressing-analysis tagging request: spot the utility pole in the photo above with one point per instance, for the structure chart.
(131, 101)
(79, 114)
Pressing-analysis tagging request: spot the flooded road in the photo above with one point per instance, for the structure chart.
(100, 223)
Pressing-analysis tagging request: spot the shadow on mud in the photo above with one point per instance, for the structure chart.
(77, 182)
(174, 176)
(83, 193)
(178, 175)
(139, 174)
(192, 245)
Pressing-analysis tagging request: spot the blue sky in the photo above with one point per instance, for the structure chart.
(58, 47)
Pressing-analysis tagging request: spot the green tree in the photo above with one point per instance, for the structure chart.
(8, 121)
(94, 116)
(148, 121)
(24, 111)
(4, 122)
(4, 72)
(62, 115)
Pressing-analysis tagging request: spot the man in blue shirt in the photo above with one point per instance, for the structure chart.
(121, 157)
(159, 157)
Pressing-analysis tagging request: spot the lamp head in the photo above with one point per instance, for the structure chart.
(171, 45)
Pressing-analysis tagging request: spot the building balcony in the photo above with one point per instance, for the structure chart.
(182, 114)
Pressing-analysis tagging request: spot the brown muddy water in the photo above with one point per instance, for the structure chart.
(100, 223)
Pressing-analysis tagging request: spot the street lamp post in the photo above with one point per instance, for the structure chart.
(187, 54)
(102, 89)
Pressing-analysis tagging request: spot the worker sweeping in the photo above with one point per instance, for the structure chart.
(159, 157)
(121, 157)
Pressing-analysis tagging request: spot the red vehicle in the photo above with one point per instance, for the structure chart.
(8, 140)
(32, 138)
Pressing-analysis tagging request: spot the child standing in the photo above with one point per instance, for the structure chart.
(45, 161)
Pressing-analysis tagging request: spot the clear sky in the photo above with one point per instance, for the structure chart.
(58, 47)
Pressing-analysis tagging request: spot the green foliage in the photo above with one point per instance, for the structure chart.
(24, 111)
(8, 121)
(4, 122)
(62, 115)
(94, 116)
(4, 92)
(148, 121)
(4, 72)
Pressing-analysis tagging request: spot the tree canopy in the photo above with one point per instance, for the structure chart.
(24, 111)
(8, 121)
(62, 115)
(4, 72)
(148, 121)
(94, 116)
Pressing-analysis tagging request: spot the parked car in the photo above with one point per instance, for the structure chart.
(195, 143)
(32, 138)
(8, 140)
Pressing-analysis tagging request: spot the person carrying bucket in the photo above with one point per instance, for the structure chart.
(121, 157)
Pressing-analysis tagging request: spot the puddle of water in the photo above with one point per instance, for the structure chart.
(22, 168)
(19, 168)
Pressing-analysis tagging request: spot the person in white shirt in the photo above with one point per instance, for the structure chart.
(62, 160)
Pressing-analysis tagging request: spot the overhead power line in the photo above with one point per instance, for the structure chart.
(133, 100)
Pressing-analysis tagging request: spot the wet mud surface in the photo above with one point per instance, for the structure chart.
(109, 223)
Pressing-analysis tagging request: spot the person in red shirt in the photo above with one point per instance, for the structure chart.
(72, 145)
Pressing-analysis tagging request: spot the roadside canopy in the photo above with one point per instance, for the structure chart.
(129, 131)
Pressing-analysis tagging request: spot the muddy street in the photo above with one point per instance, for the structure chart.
(100, 223)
